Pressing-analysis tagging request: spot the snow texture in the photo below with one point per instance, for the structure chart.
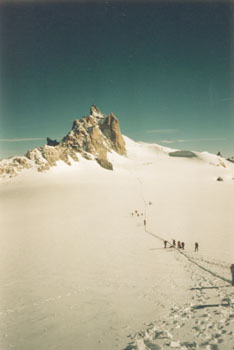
(81, 270)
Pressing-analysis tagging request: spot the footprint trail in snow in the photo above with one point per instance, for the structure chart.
(206, 322)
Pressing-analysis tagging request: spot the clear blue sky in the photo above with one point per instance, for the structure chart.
(164, 68)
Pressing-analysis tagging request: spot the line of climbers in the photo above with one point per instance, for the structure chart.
(180, 245)
(137, 213)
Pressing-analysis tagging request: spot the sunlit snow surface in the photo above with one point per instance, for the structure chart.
(79, 271)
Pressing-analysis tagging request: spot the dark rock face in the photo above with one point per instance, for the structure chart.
(91, 137)
(219, 178)
(105, 163)
(183, 154)
(231, 159)
(110, 128)
(52, 142)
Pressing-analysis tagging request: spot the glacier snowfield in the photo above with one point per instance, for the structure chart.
(79, 271)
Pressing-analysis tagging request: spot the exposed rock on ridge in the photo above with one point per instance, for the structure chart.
(110, 128)
(231, 159)
(91, 137)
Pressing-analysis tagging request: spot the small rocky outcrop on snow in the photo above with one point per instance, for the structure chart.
(219, 178)
(184, 154)
(91, 137)
(231, 159)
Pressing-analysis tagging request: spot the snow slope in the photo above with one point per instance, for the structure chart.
(79, 271)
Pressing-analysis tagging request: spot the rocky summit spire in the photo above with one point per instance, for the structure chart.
(92, 137)
(97, 135)
(95, 112)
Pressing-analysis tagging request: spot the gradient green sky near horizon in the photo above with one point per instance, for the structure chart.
(165, 69)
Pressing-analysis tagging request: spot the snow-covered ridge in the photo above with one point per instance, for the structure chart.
(152, 151)
(98, 137)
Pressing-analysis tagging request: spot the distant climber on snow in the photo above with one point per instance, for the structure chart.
(196, 247)
(182, 245)
(165, 244)
(232, 272)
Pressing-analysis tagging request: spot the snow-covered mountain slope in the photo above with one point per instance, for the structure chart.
(79, 270)
(94, 137)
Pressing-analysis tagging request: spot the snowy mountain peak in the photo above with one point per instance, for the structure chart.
(92, 137)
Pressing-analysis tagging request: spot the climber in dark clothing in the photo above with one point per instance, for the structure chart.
(196, 247)
(232, 272)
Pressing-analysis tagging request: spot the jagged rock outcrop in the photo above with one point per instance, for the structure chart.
(96, 134)
(92, 137)
(47, 156)
(52, 142)
(231, 159)
(11, 167)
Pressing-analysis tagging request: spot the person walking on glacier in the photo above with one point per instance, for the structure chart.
(196, 247)
(232, 272)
